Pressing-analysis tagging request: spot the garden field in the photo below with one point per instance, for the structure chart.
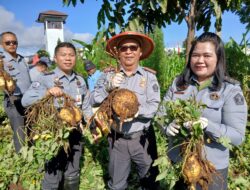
(25, 170)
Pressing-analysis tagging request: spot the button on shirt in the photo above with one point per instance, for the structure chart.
(73, 85)
(19, 71)
(145, 85)
(226, 111)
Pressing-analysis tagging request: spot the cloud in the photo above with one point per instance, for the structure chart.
(31, 38)
(27, 36)
(86, 37)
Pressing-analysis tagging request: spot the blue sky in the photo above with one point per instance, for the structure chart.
(20, 17)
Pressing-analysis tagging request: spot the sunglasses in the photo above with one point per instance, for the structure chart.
(8, 43)
(131, 48)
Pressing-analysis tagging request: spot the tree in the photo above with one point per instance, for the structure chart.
(144, 15)
(167, 67)
(42, 53)
(156, 60)
(95, 51)
(244, 13)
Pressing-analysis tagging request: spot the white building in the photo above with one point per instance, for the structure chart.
(53, 29)
(171, 50)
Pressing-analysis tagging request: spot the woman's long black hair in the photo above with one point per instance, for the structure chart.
(220, 71)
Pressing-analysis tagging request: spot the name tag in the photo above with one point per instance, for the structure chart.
(78, 99)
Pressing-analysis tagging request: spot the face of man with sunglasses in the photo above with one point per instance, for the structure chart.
(9, 44)
(129, 53)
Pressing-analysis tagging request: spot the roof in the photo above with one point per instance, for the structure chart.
(51, 13)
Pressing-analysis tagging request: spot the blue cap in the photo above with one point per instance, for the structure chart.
(45, 60)
(89, 65)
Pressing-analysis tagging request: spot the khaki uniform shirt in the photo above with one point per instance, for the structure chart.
(145, 85)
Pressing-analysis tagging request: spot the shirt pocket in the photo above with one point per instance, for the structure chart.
(214, 105)
(213, 110)
(81, 89)
(141, 95)
(14, 73)
(180, 95)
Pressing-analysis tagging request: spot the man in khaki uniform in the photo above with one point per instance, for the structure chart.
(135, 142)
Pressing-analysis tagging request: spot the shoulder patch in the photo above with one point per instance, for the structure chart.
(239, 99)
(155, 88)
(35, 84)
(49, 73)
(149, 70)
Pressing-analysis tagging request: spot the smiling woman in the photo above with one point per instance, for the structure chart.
(204, 80)
(203, 60)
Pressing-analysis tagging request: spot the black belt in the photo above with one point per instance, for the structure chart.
(128, 136)
(13, 98)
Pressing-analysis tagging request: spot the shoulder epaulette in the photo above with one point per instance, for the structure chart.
(231, 80)
(48, 72)
(149, 70)
(21, 56)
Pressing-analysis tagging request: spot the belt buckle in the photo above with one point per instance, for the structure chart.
(127, 136)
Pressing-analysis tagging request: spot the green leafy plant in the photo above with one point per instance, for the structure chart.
(167, 67)
(42, 53)
(238, 63)
(194, 168)
(168, 171)
(95, 51)
(239, 170)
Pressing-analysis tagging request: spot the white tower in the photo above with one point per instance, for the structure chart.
(53, 29)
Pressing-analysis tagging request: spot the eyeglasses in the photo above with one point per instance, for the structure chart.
(8, 43)
(125, 48)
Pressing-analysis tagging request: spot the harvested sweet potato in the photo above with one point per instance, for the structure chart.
(78, 114)
(2, 82)
(195, 168)
(121, 103)
(125, 103)
(192, 169)
(66, 115)
(10, 85)
(101, 119)
(1, 63)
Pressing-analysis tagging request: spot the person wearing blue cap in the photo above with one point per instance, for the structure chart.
(93, 74)
(41, 66)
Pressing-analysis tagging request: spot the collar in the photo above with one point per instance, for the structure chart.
(61, 74)
(9, 58)
(138, 70)
(204, 84)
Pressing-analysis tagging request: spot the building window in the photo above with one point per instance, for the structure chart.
(54, 25)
